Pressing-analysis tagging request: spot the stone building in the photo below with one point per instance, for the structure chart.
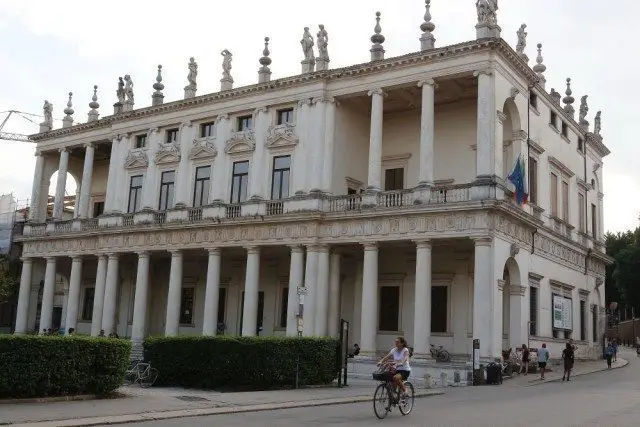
(391, 194)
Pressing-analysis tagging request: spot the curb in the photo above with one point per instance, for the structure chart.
(53, 399)
(623, 363)
(165, 415)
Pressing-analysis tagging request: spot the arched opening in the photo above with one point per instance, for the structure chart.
(512, 139)
(71, 194)
(511, 305)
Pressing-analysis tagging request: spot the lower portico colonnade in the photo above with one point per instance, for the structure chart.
(383, 289)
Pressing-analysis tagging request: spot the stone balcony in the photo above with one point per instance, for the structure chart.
(438, 197)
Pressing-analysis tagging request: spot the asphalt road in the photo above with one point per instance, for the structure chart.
(609, 398)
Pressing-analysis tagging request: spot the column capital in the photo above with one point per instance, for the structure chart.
(26, 260)
(50, 259)
(151, 131)
(296, 248)
(221, 117)
(102, 256)
(303, 102)
(214, 251)
(423, 244)
(427, 82)
(484, 71)
(370, 246)
(252, 249)
(63, 150)
(76, 257)
(483, 241)
(113, 255)
(143, 254)
(175, 252)
(377, 91)
(322, 248)
(89, 145)
(38, 153)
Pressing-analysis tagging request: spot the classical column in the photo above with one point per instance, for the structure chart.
(187, 134)
(329, 144)
(98, 295)
(212, 292)
(46, 311)
(218, 193)
(73, 300)
(310, 284)
(85, 187)
(172, 322)
(486, 125)
(334, 295)
(299, 184)
(427, 132)
(58, 205)
(322, 292)
(422, 301)
(23, 296)
(259, 166)
(112, 179)
(37, 188)
(483, 288)
(369, 316)
(111, 295)
(315, 163)
(251, 292)
(140, 299)
(295, 279)
(375, 140)
(149, 187)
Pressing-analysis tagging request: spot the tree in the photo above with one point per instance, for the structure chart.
(8, 278)
(615, 243)
(627, 275)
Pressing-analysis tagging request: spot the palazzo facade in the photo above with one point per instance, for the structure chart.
(378, 191)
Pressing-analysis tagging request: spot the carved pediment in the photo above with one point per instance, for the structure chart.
(136, 158)
(202, 148)
(167, 153)
(282, 136)
(240, 142)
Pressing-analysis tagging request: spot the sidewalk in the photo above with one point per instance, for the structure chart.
(580, 368)
(138, 405)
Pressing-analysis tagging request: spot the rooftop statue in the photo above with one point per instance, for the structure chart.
(226, 63)
(120, 91)
(487, 11)
(323, 42)
(193, 73)
(47, 110)
(128, 88)
(522, 39)
(307, 45)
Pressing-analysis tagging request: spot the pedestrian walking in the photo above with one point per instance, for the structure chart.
(615, 350)
(568, 356)
(525, 360)
(608, 354)
(543, 358)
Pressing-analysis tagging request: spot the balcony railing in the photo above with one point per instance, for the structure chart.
(159, 217)
(90, 224)
(233, 211)
(350, 202)
(274, 207)
(194, 214)
(395, 199)
(63, 226)
(127, 220)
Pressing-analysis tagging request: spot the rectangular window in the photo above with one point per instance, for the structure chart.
(553, 120)
(167, 183)
(581, 145)
(135, 194)
(565, 201)
(389, 312)
(239, 181)
(565, 130)
(207, 130)
(172, 135)
(439, 309)
(284, 301)
(280, 177)
(554, 194)
(583, 320)
(533, 100)
(245, 123)
(186, 306)
(87, 304)
(533, 311)
(285, 116)
(594, 323)
(594, 221)
(581, 212)
(141, 141)
(98, 209)
(533, 180)
(351, 191)
(393, 179)
(201, 186)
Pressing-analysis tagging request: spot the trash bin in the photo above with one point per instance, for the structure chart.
(494, 373)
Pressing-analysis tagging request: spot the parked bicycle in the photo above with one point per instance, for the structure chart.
(388, 394)
(142, 373)
(439, 353)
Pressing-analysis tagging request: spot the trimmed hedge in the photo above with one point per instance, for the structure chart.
(256, 363)
(38, 366)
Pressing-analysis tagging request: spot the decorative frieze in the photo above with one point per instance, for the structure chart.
(167, 153)
(203, 148)
(241, 142)
(281, 136)
(136, 158)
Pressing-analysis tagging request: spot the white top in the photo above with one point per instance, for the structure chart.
(398, 356)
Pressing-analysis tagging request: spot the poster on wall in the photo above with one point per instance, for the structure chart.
(562, 313)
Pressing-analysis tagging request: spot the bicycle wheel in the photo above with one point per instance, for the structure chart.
(381, 401)
(150, 378)
(444, 356)
(406, 403)
(129, 377)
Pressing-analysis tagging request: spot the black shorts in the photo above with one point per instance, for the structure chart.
(542, 365)
(405, 374)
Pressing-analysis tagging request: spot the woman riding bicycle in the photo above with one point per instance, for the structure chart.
(400, 355)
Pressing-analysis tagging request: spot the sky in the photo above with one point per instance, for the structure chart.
(52, 48)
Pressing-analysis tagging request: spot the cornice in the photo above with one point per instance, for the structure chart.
(561, 167)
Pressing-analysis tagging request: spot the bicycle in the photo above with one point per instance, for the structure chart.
(142, 373)
(439, 353)
(388, 394)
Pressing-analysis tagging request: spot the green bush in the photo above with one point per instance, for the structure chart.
(242, 362)
(38, 366)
